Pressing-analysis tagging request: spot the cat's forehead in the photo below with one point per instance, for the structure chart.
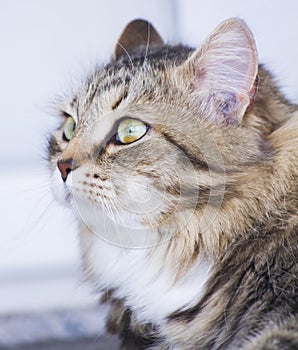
(127, 84)
(143, 68)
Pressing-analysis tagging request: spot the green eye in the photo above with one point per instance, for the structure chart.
(130, 130)
(69, 128)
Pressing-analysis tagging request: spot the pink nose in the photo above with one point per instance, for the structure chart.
(65, 167)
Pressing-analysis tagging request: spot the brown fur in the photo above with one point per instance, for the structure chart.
(247, 185)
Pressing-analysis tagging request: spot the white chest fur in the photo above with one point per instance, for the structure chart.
(146, 286)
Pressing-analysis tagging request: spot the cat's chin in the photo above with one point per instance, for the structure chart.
(62, 190)
(122, 229)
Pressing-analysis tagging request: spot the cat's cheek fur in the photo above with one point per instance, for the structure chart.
(145, 284)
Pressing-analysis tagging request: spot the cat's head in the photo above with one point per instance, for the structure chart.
(155, 146)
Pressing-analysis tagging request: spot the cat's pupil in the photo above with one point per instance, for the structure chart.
(130, 130)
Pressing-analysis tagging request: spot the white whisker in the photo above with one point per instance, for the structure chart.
(148, 42)
(126, 52)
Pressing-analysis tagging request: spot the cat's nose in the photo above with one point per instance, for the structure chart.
(65, 167)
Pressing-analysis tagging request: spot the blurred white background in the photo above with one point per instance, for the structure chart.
(46, 44)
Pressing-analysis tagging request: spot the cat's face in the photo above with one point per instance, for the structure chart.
(145, 145)
(134, 165)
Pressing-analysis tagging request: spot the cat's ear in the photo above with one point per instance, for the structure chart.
(223, 72)
(138, 33)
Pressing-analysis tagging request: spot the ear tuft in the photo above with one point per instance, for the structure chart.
(224, 70)
(137, 34)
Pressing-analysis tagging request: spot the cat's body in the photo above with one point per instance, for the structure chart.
(196, 202)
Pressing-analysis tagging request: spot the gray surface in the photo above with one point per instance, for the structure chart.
(56, 330)
(101, 343)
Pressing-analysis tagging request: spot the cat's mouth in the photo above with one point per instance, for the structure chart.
(68, 195)
(62, 191)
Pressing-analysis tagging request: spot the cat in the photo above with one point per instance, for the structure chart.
(181, 166)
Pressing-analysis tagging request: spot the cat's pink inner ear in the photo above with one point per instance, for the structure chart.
(225, 70)
(137, 34)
